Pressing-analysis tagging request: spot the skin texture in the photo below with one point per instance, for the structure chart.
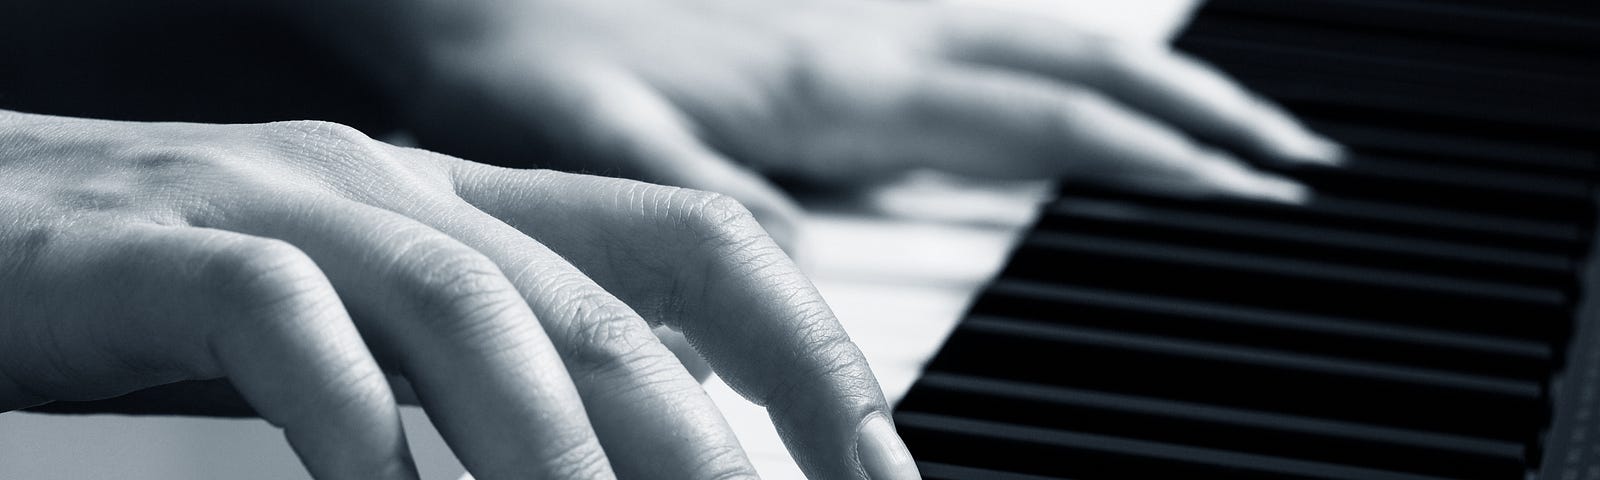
(302, 261)
(303, 269)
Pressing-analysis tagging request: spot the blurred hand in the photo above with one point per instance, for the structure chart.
(712, 94)
(303, 263)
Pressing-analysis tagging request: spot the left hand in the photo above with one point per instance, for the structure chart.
(711, 94)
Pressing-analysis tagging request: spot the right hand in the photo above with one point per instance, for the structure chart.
(717, 95)
(303, 263)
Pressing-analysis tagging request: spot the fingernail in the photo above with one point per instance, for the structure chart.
(881, 452)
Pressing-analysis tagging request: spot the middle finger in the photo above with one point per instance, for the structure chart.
(650, 413)
(453, 324)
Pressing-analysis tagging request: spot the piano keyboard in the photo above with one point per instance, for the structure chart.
(1419, 319)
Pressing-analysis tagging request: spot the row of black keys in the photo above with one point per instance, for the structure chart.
(1404, 325)
(1309, 336)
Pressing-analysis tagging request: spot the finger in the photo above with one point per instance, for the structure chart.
(699, 263)
(642, 128)
(648, 410)
(619, 120)
(179, 303)
(1003, 123)
(1151, 77)
(778, 214)
(452, 323)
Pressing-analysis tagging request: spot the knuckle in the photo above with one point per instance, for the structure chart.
(317, 130)
(460, 287)
(339, 155)
(604, 335)
(719, 229)
(828, 76)
(717, 218)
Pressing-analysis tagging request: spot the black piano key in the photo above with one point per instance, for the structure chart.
(1282, 283)
(1369, 73)
(945, 471)
(1383, 81)
(1406, 323)
(1531, 25)
(1399, 180)
(1392, 45)
(1199, 228)
(1185, 423)
(1391, 88)
(1222, 323)
(1042, 451)
(1351, 212)
(1455, 126)
(1517, 154)
(1425, 174)
(1246, 378)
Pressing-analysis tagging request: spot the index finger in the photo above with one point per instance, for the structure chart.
(700, 263)
(1153, 78)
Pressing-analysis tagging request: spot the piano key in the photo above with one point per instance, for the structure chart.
(1393, 45)
(1199, 228)
(1407, 323)
(1377, 86)
(1533, 25)
(1186, 423)
(1042, 451)
(945, 471)
(1423, 174)
(1246, 378)
(1398, 180)
(1276, 282)
(1351, 212)
(1520, 154)
(1391, 74)
(1236, 324)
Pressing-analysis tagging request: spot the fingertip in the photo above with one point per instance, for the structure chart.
(1281, 190)
(1307, 147)
(1271, 188)
(1279, 136)
(1233, 178)
(881, 452)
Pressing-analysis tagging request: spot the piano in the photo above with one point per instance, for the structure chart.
(1430, 314)
(1251, 353)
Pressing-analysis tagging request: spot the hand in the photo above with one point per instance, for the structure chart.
(712, 94)
(303, 263)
